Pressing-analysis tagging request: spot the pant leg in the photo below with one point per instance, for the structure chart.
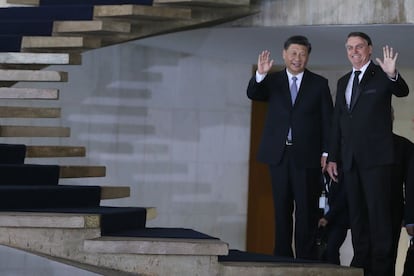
(358, 217)
(306, 192)
(376, 185)
(283, 208)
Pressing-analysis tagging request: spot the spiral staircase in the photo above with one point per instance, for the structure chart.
(68, 223)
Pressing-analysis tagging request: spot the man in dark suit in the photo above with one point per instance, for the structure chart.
(362, 136)
(294, 139)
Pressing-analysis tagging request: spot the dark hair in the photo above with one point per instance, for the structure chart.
(298, 39)
(361, 35)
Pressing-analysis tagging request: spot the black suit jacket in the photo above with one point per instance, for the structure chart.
(309, 118)
(364, 133)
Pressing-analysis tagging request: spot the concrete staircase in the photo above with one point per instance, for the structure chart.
(76, 238)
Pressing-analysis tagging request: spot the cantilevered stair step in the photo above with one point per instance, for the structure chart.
(93, 27)
(54, 219)
(113, 192)
(33, 131)
(59, 43)
(158, 241)
(7, 58)
(17, 197)
(82, 171)
(29, 93)
(217, 3)
(29, 174)
(142, 12)
(37, 151)
(79, 2)
(29, 112)
(33, 75)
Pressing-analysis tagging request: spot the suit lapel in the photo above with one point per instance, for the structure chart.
(369, 73)
(342, 90)
(286, 88)
(303, 85)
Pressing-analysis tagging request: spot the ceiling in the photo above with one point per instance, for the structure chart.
(244, 44)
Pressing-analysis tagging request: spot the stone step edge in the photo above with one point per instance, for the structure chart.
(114, 192)
(155, 246)
(56, 220)
(18, 58)
(269, 268)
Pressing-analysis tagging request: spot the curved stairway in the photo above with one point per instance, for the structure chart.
(67, 222)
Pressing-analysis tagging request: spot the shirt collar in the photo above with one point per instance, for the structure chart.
(363, 68)
(299, 76)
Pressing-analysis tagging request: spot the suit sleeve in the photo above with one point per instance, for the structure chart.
(258, 91)
(335, 132)
(400, 87)
(327, 108)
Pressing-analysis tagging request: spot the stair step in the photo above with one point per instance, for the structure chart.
(59, 43)
(34, 151)
(82, 171)
(48, 219)
(28, 93)
(29, 175)
(156, 245)
(11, 58)
(205, 2)
(142, 12)
(113, 192)
(26, 27)
(287, 268)
(47, 13)
(33, 131)
(24, 197)
(12, 153)
(90, 27)
(33, 75)
(79, 2)
(29, 112)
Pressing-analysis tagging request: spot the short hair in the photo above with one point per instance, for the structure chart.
(361, 35)
(298, 39)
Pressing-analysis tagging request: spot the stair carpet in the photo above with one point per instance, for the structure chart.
(67, 222)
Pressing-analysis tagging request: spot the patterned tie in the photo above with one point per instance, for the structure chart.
(355, 85)
(294, 89)
(293, 94)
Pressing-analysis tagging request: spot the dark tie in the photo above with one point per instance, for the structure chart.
(355, 85)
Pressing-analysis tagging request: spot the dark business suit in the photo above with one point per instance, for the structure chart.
(362, 136)
(401, 174)
(295, 169)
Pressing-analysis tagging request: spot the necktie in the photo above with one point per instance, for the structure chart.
(354, 88)
(293, 94)
(294, 89)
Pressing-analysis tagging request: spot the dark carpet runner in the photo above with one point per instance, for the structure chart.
(35, 188)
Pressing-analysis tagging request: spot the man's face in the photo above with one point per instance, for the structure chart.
(296, 57)
(358, 50)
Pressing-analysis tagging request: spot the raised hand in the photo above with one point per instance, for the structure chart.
(388, 64)
(264, 63)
